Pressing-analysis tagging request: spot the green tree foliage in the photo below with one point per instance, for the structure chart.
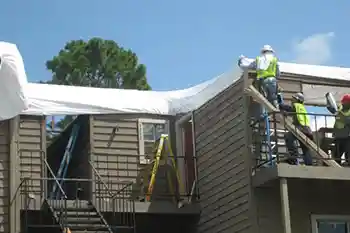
(97, 63)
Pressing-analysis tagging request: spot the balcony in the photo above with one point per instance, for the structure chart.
(272, 160)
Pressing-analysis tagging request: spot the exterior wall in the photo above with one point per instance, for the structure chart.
(4, 176)
(268, 206)
(306, 197)
(223, 174)
(118, 161)
(32, 150)
(118, 158)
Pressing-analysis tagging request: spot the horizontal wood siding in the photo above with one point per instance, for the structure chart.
(120, 160)
(4, 176)
(31, 151)
(223, 176)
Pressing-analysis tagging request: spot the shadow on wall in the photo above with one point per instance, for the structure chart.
(79, 164)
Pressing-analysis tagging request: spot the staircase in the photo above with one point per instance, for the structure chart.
(79, 216)
(281, 120)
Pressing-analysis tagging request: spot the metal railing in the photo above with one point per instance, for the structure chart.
(128, 168)
(79, 197)
(275, 149)
(36, 213)
(114, 199)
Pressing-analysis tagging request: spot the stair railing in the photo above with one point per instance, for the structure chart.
(257, 96)
(119, 202)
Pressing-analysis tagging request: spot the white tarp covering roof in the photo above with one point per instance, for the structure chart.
(13, 79)
(20, 97)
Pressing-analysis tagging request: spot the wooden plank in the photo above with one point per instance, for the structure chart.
(289, 125)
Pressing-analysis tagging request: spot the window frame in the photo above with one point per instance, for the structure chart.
(316, 217)
(142, 141)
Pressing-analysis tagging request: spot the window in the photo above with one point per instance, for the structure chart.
(330, 224)
(149, 131)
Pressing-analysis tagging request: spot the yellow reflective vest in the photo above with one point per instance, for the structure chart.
(269, 72)
(340, 118)
(301, 114)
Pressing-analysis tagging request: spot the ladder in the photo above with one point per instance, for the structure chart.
(257, 96)
(163, 156)
(62, 171)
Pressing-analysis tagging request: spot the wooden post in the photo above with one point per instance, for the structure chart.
(14, 177)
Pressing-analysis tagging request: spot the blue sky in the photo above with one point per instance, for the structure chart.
(181, 42)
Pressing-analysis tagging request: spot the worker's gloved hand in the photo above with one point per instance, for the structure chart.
(240, 60)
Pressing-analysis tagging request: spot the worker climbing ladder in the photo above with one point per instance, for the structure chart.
(270, 157)
(258, 97)
(163, 156)
(63, 169)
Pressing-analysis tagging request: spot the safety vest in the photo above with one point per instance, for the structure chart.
(270, 71)
(301, 114)
(340, 118)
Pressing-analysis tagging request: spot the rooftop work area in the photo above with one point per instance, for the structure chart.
(46, 99)
(206, 158)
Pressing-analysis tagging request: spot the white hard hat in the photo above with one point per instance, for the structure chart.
(299, 96)
(267, 48)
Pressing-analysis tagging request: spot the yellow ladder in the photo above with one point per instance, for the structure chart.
(163, 153)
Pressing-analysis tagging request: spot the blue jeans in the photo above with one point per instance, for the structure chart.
(269, 87)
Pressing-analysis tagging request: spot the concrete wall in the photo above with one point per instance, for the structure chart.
(306, 197)
(223, 174)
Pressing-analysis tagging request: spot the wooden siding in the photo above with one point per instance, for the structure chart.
(31, 150)
(4, 176)
(223, 174)
(268, 205)
(120, 160)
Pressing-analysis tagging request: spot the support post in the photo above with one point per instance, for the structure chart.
(285, 206)
(91, 174)
(14, 177)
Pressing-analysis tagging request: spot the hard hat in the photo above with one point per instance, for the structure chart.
(299, 96)
(267, 48)
(345, 99)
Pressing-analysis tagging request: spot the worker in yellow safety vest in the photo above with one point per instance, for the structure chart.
(267, 73)
(342, 129)
(302, 122)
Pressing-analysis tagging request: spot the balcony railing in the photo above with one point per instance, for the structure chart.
(269, 141)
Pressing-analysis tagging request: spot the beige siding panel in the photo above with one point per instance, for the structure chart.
(223, 177)
(116, 160)
(4, 176)
(268, 202)
(306, 197)
(30, 150)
